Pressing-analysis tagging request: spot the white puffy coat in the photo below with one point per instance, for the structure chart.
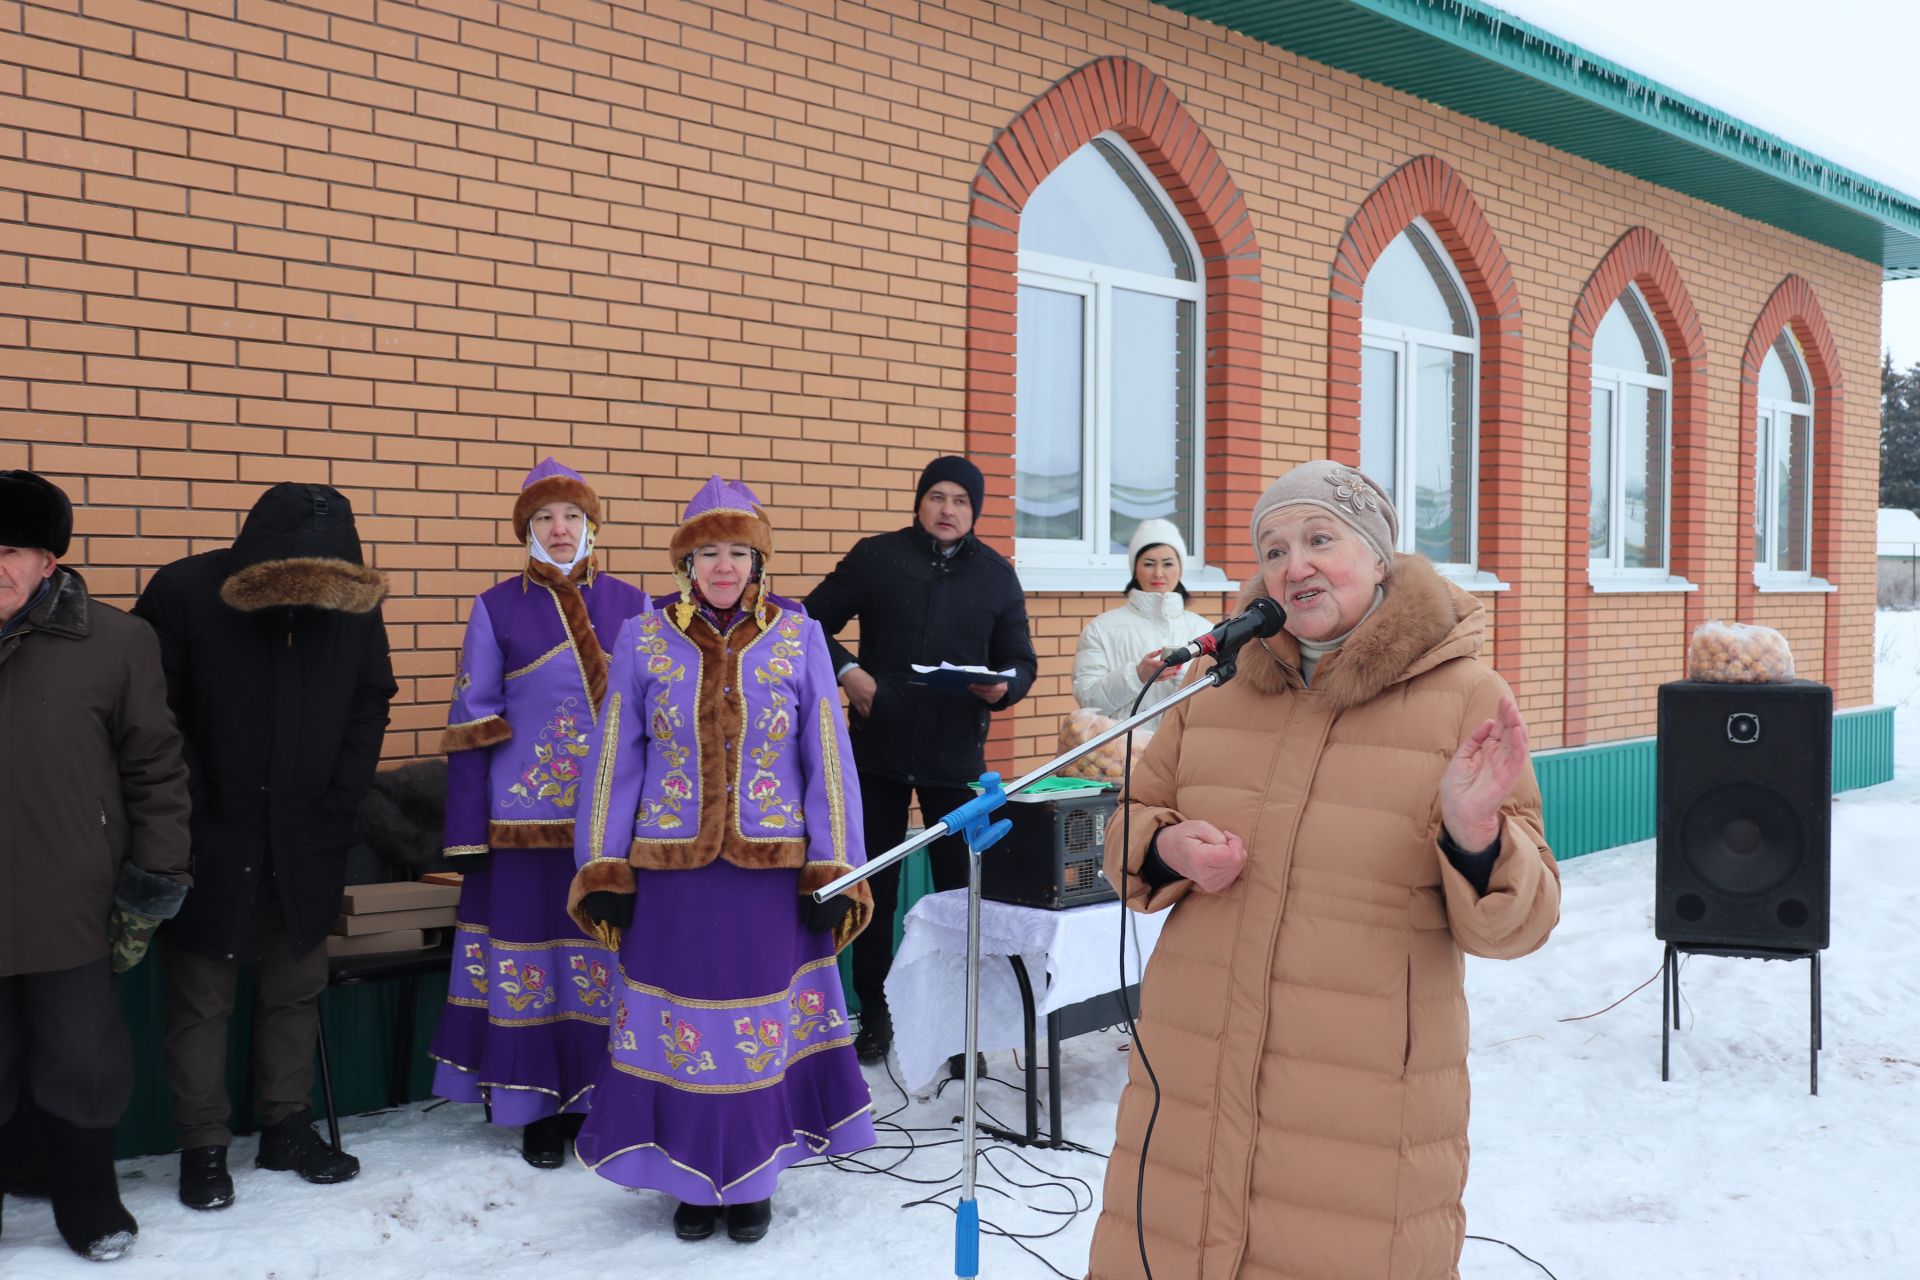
(1105, 667)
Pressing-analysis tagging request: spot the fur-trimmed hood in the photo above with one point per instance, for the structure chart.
(306, 582)
(1423, 620)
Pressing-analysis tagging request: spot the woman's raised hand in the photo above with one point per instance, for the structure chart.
(1148, 668)
(1202, 853)
(1481, 776)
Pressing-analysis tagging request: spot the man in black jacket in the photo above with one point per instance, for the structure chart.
(277, 670)
(929, 593)
(93, 855)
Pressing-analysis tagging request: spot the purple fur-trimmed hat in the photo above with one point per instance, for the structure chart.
(723, 511)
(552, 481)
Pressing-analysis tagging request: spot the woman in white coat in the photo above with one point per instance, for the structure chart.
(1120, 650)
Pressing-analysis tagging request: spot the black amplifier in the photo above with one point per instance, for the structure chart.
(1052, 856)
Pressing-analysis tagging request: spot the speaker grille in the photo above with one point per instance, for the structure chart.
(1743, 839)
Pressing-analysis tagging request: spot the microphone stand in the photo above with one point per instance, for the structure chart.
(975, 820)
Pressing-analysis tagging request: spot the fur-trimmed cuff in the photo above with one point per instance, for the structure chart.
(602, 875)
(474, 734)
(817, 875)
(531, 835)
(143, 893)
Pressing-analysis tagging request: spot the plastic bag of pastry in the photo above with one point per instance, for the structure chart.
(1106, 763)
(1738, 653)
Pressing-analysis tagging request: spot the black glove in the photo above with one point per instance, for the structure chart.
(608, 907)
(824, 917)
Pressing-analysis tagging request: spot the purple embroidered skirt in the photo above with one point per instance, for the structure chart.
(730, 1056)
(528, 999)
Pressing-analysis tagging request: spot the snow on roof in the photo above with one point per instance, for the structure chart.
(1899, 532)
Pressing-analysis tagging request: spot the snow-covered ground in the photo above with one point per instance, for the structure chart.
(1582, 1158)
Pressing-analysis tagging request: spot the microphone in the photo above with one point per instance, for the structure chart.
(1263, 618)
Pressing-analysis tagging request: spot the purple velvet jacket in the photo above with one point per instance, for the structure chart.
(728, 746)
(525, 710)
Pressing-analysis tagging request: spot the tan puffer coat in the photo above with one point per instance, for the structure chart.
(1308, 1024)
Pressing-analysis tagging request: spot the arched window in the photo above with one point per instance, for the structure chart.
(1630, 445)
(1418, 394)
(1783, 463)
(1108, 421)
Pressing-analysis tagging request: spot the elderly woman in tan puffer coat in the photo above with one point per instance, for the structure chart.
(1334, 830)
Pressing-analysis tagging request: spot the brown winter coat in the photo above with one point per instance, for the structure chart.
(92, 776)
(1308, 1024)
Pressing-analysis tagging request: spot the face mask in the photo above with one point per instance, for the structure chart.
(537, 552)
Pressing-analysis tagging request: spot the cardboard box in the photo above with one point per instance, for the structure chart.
(453, 878)
(388, 921)
(373, 944)
(400, 895)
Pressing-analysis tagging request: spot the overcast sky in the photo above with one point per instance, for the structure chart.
(1837, 77)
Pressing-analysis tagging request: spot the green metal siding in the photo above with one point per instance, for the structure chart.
(1862, 747)
(1486, 64)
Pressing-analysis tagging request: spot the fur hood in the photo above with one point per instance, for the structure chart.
(307, 581)
(1423, 620)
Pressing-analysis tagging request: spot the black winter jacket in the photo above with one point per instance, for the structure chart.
(277, 671)
(916, 605)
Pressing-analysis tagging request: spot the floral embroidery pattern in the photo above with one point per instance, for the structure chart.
(525, 989)
(476, 967)
(682, 1040)
(555, 772)
(463, 681)
(622, 1035)
(760, 1045)
(776, 722)
(811, 1015)
(591, 977)
(664, 726)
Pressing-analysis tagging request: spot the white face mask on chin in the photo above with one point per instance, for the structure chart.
(539, 553)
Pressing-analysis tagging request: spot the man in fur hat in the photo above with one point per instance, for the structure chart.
(93, 854)
(277, 669)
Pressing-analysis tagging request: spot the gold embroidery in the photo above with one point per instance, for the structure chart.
(836, 789)
(471, 724)
(463, 850)
(557, 944)
(603, 779)
(586, 685)
(664, 726)
(538, 662)
(555, 772)
(687, 1086)
(688, 1002)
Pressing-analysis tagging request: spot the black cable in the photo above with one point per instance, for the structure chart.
(1535, 1261)
(1139, 1046)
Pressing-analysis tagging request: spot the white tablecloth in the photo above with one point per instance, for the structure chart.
(1070, 956)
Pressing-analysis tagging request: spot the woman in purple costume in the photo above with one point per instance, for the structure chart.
(529, 999)
(723, 794)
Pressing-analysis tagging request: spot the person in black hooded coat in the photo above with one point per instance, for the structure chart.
(277, 671)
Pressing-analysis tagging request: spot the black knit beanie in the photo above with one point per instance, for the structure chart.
(960, 472)
(34, 512)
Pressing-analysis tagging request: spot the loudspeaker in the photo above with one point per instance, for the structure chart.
(1745, 801)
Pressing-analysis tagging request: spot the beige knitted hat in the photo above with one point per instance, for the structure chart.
(1339, 490)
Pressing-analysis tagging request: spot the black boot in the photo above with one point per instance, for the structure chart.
(748, 1222)
(875, 1038)
(543, 1144)
(695, 1221)
(86, 1195)
(293, 1145)
(23, 1153)
(204, 1180)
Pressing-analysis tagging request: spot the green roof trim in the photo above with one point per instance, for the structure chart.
(1487, 64)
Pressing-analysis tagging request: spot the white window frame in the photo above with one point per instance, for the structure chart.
(1084, 564)
(1402, 341)
(1770, 436)
(1605, 574)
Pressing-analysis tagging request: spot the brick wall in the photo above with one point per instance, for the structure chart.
(410, 248)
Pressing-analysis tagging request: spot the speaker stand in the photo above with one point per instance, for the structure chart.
(1670, 997)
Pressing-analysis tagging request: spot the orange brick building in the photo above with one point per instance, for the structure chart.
(410, 248)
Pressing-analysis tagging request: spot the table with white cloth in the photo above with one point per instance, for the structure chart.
(1077, 950)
